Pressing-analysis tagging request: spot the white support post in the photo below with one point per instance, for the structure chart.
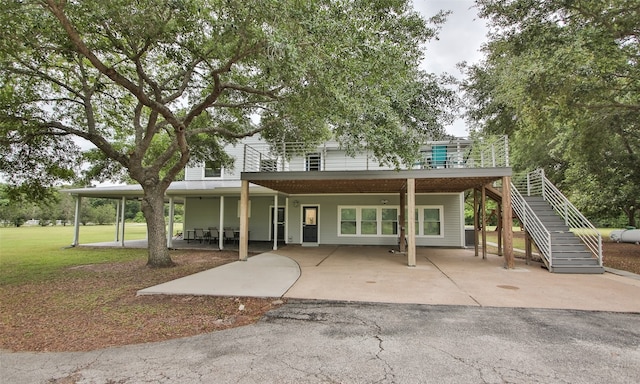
(170, 230)
(243, 253)
(124, 201)
(117, 236)
(221, 225)
(76, 222)
(411, 222)
(275, 222)
(286, 220)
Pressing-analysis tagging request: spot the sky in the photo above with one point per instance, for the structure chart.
(460, 39)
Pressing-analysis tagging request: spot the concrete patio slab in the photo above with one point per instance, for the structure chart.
(264, 275)
(451, 277)
(374, 274)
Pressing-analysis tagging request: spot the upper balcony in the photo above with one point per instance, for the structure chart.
(486, 152)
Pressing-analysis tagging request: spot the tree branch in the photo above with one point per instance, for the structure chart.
(110, 72)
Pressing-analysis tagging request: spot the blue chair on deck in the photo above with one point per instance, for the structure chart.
(439, 156)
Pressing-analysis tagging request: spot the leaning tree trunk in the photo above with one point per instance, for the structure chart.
(153, 210)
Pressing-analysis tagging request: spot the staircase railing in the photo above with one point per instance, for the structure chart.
(532, 223)
(536, 184)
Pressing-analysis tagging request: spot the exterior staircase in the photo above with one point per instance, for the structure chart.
(567, 241)
(568, 252)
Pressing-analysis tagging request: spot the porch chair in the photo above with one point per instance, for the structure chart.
(213, 234)
(198, 234)
(229, 235)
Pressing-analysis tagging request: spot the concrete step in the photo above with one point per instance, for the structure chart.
(573, 247)
(575, 261)
(587, 269)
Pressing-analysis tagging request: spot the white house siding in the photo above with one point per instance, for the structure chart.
(202, 212)
(328, 218)
(236, 151)
(193, 173)
(205, 212)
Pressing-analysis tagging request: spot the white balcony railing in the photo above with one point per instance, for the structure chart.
(489, 152)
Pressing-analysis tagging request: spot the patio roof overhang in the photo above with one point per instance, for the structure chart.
(342, 182)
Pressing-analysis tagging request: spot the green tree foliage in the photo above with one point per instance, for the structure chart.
(563, 79)
(152, 85)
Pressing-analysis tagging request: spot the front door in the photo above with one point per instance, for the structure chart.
(280, 224)
(310, 224)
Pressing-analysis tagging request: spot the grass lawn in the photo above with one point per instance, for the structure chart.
(33, 252)
(57, 298)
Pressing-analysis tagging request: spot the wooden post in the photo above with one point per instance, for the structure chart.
(411, 222)
(483, 204)
(244, 221)
(476, 221)
(499, 228)
(507, 222)
(527, 248)
(403, 232)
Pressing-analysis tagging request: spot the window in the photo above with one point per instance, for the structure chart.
(383, 221)
(431, 221)
(428, 221)
(312, 162)
(389, 221)
(212, 169)
(347, 221)
(369, 221)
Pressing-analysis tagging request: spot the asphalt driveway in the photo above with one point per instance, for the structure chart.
(338, 342)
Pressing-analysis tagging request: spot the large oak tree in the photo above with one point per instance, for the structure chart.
(155, 84)
(563, 79)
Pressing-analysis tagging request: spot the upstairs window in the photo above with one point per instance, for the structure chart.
(212, 170)
(312, 162)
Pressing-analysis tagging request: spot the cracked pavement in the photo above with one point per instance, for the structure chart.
(345, 342)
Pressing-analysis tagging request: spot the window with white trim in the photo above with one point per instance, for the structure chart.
(428, 220)
(431, 221)
(313, 161)
(348, 221)
(368, 221)
(383, 220)
(389, 221)
(212, 170)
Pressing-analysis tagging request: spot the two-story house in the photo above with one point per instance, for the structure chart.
(295, 195)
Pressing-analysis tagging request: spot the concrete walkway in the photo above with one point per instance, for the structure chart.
(441, 277)
(264, 275)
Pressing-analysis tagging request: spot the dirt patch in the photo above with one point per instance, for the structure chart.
(95, 306)
(623, 256)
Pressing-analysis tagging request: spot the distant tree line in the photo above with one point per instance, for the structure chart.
(60, 209)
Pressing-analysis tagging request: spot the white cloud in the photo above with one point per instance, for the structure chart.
(460, 39)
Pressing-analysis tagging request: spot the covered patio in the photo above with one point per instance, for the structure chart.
(406, 183)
